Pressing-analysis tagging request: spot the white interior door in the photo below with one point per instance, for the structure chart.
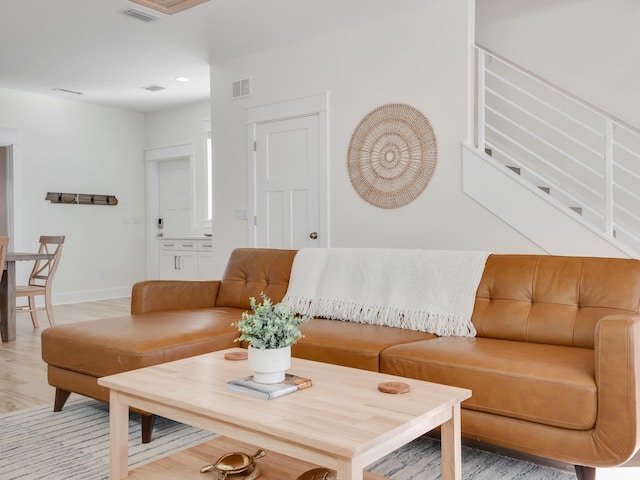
(174, 192)
(287, 183)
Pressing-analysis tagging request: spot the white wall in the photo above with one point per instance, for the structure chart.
(418, 58)
(588, 47)
(74, 147)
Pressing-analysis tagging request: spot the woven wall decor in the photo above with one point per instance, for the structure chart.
(392, 155)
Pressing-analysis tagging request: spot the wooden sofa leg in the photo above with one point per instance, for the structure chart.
(146, 422)
(585, 473)
(60, 399)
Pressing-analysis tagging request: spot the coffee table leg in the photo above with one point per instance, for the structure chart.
(452, 447)
(348, 470)
(118, 436)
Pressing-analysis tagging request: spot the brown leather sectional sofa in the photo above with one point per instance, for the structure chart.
(554, 368)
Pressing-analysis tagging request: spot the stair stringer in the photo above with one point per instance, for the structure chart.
(547, 223)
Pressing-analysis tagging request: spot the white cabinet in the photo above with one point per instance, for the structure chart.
(168, 266)
(205, 259)
(185, 259)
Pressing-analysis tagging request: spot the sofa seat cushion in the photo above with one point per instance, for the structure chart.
(548, 384)
(349, 344)
(114, 345)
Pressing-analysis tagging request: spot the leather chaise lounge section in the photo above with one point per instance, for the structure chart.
(169, 320)
(554, 367)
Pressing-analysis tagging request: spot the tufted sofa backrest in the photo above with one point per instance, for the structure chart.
(553, 299)
(252, 271)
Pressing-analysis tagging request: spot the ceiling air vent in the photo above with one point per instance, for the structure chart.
(153, 88)
(168, 7)
(66, 90)
(242, 88)
(140, 15)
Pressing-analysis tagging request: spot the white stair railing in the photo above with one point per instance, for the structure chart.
(582, 156)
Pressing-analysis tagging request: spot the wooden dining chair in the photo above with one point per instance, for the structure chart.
(4, 242)
(41, 279)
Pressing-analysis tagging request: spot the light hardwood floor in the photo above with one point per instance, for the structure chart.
(23, 375)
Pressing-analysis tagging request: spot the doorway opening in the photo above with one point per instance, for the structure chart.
(171, 198)
(10, 174)
(4, 200)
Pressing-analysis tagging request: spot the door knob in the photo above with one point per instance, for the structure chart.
(313, 235)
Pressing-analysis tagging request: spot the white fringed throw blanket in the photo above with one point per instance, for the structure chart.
(426, 290)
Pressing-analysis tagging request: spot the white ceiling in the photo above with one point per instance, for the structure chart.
(92, 47)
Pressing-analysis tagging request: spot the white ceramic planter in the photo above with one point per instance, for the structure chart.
(269, 365)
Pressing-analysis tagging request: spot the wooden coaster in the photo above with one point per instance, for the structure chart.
(236, 356)
(394, 387)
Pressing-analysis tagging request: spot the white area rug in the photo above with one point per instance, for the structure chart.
(74, 445)
(420, 460)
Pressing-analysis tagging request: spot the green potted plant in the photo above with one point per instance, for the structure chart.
(270, 330)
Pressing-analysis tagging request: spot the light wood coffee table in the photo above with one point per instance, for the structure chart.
(342, 422)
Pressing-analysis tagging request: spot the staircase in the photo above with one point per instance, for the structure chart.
(580, 163)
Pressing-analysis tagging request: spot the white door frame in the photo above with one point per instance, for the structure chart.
(297, 107)
(13, 140)
(152, 158)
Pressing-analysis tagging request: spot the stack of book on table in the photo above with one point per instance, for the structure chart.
(290, 384)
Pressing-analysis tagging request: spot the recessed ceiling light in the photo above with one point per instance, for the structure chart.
(183, 79)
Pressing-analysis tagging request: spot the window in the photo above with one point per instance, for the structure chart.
(209, 156)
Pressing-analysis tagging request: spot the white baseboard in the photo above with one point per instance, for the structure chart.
(90, 295)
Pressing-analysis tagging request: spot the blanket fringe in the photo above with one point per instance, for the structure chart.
(436, 323)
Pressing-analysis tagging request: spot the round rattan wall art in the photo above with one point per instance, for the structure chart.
(392, 155)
